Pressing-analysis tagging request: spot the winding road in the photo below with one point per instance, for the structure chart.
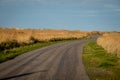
(62, 61)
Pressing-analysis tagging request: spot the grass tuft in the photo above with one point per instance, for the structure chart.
(106, 64)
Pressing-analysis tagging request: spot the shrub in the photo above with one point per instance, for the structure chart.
(9, 45)
(33, 40)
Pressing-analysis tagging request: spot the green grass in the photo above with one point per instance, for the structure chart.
(12, 52)
(99, 64)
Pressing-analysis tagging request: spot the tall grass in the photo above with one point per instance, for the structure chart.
(10, 38)
(24, 35)
(110, 42)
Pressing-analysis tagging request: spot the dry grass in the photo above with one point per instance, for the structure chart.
(24, 35)
(110, 42)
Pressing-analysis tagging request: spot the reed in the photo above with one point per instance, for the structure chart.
(110, 42)
(10, 36)
(24, 35)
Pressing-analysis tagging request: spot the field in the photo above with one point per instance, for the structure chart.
(24, 35)
(10, 38)
(110, 42)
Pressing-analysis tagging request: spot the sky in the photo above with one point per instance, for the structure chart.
(87, 15)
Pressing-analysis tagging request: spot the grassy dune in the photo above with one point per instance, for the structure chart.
(110, 42)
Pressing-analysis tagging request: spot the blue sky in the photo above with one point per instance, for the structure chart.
(88, 15)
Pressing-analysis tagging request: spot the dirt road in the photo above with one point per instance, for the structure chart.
(61, 61)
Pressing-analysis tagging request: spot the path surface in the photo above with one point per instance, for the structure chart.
(61, 61)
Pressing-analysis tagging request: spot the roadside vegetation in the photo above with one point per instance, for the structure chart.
(14, 42)
(12, 38)
(110, 42)
(99, 64)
